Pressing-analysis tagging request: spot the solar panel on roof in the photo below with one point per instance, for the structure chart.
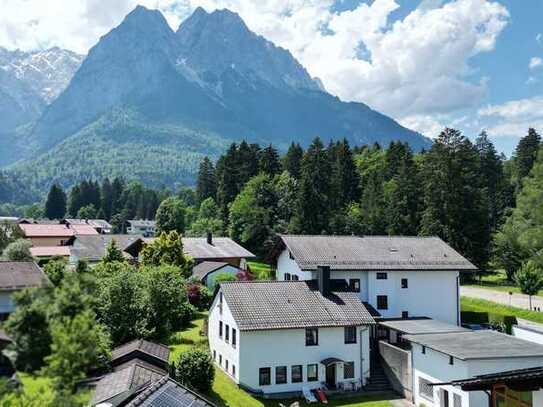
(171, 396)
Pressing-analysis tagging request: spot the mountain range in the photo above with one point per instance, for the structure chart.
(149, 102)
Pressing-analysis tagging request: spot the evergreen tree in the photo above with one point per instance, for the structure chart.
(247, 159)
(526, 153)
(345, 182)
(292, 162)
(455, 208)
(55, 206)
(312, 208)
(372, 207)
(107, 200)
(227, 179)
(206, 186)
(269, 161)
(113, 253)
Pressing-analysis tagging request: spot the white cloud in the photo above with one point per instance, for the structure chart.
(428, 125)
(535, 63)
(414, 67)
(513, 118)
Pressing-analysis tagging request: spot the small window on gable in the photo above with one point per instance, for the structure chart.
(382, 276)
(405, 283)
(424, 350)
(451, 360)
(354, 285)
(290, 255)
(405, 314)
(295, 277)
(287, 276)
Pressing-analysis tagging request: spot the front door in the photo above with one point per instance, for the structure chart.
(331, 376)
(444, 398)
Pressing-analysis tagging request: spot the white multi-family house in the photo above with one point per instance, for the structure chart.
(283, 336)
(399, 276)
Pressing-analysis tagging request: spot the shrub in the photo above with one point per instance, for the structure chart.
(199, 295)
(194, 368)
(55, 270)
(18, 250)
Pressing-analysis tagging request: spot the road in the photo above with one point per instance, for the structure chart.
(501, 297)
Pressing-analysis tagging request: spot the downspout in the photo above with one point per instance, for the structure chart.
(458, 299)
(362, 356)
(489, 394)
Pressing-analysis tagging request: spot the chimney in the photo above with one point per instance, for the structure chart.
(209, 238)
(323, 278)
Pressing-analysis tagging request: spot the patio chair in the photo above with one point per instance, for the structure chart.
(308, 395)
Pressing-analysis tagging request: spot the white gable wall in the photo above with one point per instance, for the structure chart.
(223, 351)
(287, 265)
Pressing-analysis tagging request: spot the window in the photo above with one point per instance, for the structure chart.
(220, 359)
(226, 333)
(382, 276)
(405, 284)
(425, 389)
(405, 314)
(226, 365)
(311, 336)
(280, 375)
(295, 277)
(350, 334)
(424, 350)
(354, 285)
(348, 370)
(457, 400)
(214, 354)
(287, 276)
(220, 329)
(264, 376)
(312, 373)
(220, 303)
(296, 373)
(234, 370)
(234, 338)
(382, 302)
(451, 360)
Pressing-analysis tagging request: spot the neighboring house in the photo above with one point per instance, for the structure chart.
(513, 388)
(46, 253)
(441, 358)
(83, 230)
(92, 249)
(146, 228)
(399, 276)
(16, 276)
(200, 249)
(283, 336)
(46, 235)
(140, 378)
(207, 271)
(100, 225)
(528, 330)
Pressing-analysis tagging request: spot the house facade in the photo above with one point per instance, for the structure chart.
(207, 271)
(46, 235)
(398, 276)
(283, 336)
(146, 228)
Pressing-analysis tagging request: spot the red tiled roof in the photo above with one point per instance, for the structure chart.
(83, 230)
(49, 251)
(33, 230)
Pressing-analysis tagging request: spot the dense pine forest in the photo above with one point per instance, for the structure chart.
(484, 205)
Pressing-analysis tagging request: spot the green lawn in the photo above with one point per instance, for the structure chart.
(497, 282)
(476, 305)
(226, 393)
(262, 270)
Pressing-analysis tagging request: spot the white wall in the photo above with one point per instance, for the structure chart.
(430, 293)
(434, 366)
(537, 398)
(286, 347)
(527, 334)
(219, 345)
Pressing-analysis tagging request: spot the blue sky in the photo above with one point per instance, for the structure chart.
(469, 64)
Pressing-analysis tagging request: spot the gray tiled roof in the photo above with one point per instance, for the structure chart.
(156, 350)
(204, 268)
(16, 275)
(421, 326)
(142, 223)
(221, 248)
(125, 380)
(168, 393)
(260, 305)
(374, 253)
(478, 345)
(93, 247)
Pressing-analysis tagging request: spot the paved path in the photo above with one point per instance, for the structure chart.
(502, 297)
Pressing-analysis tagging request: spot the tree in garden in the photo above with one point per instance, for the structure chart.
(55, 205)
(269, 162)
(529, 279)
(199, 295)
(28, 327)
(286, 187)
(79, 345)
(167, 250)
(194, 368)
(167, 300)
(18, 250)
(87, 212)
(206, 186)
(292, 162)
(171, 216)
(252, 214)
(55, 269)
(508, 252)
(312, 207)
(208, 220)
(113, 253)
(526, 153)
